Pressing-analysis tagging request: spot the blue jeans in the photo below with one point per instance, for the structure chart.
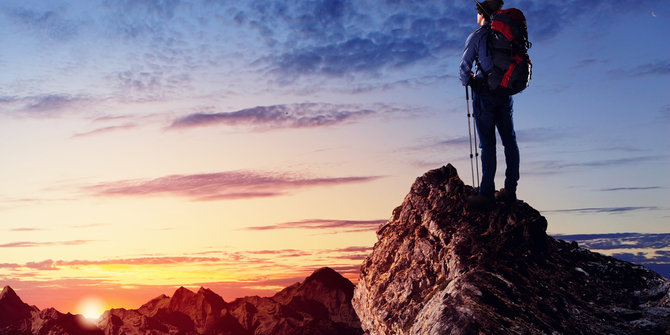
(493, 111)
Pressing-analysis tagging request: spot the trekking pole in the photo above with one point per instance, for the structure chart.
(467, 103)
(474, 130)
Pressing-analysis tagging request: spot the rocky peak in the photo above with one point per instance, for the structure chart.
(151, 308)
(329, 278)
(441, 268)
(9, 297)
(324, 289)
(12, 308)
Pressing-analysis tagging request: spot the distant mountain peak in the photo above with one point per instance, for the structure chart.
(8, 294)
(330, 278)
(440, 267)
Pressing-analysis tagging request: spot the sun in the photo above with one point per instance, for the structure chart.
(91, 307)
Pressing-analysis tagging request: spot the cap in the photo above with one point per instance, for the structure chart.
(488, 7)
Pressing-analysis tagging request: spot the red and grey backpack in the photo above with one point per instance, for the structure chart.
(508, 45)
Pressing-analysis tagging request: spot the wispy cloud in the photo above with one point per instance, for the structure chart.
(46, 105)
(141, 261)
(26, 244)
(643, 188)
(221, 185)
(525, 136)
(559, 166)
(342, 225)
(604, 210)
(44, 265)
(657, 68)
(105, 130)
(26, 229)
(305, 115)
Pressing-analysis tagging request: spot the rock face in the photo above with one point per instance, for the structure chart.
(321, 305)
(440, 268)
(19, 318)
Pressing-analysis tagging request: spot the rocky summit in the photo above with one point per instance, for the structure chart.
(440, 267)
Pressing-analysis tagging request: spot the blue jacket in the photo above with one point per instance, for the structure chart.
(475, 48)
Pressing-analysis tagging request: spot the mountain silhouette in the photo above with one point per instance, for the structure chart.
(440, 267)
(321, 304)
(19, 318)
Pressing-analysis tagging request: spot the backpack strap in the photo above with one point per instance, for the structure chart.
(487, 27)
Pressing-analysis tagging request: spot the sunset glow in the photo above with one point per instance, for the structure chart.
(239, 146)
(91, 308)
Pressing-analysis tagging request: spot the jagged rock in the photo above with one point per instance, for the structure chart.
(441, 268)
(19, 318)
(320, 305)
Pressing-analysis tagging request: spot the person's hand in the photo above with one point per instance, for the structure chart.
(469, 83)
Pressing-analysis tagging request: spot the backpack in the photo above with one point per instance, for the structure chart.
(508, 46)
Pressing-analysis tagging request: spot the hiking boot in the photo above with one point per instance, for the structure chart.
(481, 202)
(506, 196)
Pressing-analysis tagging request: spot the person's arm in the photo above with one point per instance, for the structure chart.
(469, 54)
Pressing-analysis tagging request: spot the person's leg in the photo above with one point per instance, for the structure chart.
(505, 126)
(485, 124)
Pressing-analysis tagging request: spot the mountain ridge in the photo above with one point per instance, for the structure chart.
(313, 306)
(320, 305)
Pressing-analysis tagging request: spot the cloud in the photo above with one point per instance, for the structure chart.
(616, 189)
(44, 265)
(341, 225)
(281, 252)
(556, 166)
(606, 210)
(26, 229)
(305, 115)
(650, 250)
(524, 136)
(657, 68)
(26, 244)
(9, 266)
(46, 23)
(45, 105)
(105, 130)
(141, 261)
(366, 37)
(152, 84)
(619, 240)
(221, 185)
(354, 55)
(135, 18)
(547, 19)
(589, 62)
(361, 36)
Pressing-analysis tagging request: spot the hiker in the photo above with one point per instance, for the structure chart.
(491, 110)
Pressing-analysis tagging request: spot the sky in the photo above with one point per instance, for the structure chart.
(241, 145)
